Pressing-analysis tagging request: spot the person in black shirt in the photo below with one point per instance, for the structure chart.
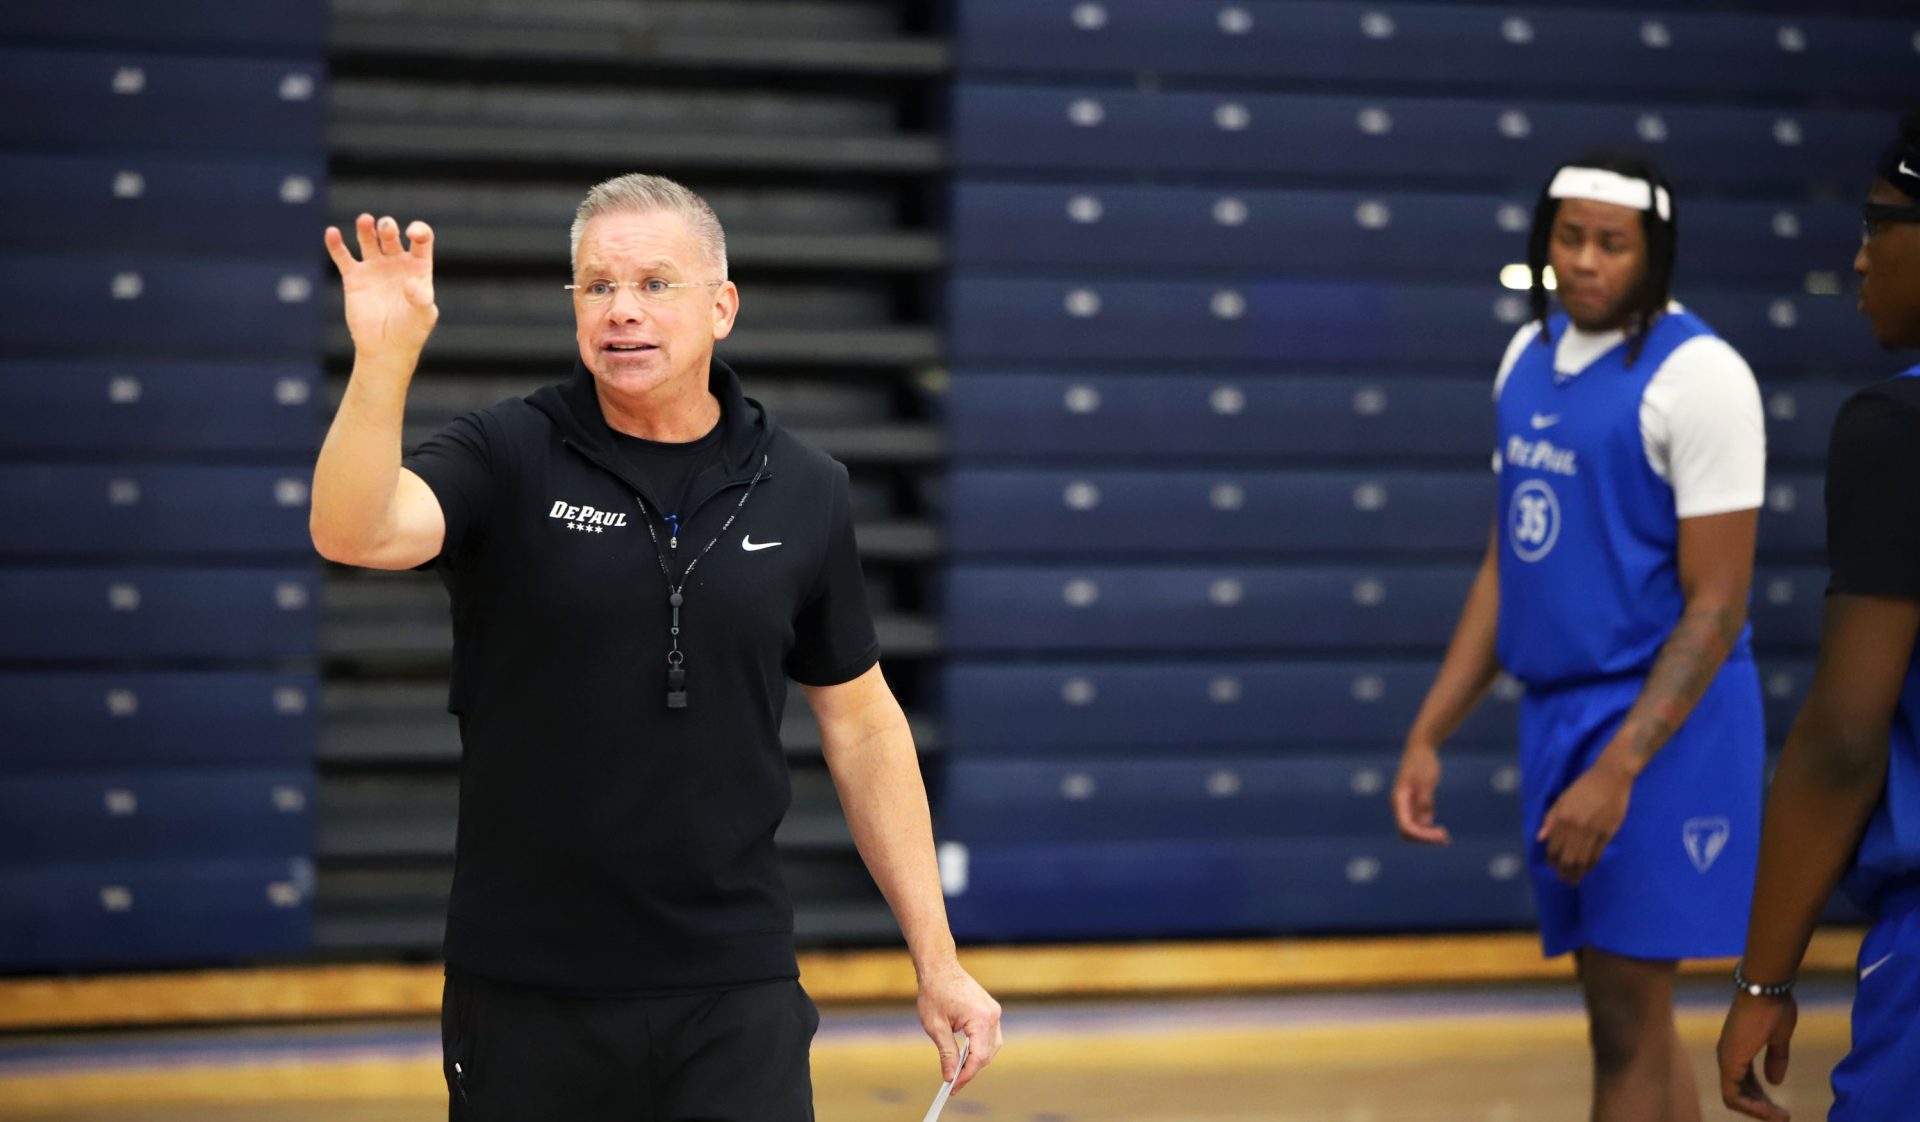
(638, 560)
(1846, 797)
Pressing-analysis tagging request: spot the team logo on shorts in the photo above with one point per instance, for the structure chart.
(1533, 520)
(1705, 838)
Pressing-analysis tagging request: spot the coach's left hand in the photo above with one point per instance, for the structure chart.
(952, 1002)
(1584, 819)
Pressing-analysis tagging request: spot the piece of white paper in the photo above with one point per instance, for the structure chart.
(946, 1089)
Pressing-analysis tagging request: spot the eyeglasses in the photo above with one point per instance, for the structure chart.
(1875, 215)
(653, 290)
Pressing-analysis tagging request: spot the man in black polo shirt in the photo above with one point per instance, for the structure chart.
(638, 560)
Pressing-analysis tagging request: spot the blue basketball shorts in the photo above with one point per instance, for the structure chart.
(1880, 1076)
(1677, 880)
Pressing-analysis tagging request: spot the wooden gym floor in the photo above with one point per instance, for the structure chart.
(1499, 1053)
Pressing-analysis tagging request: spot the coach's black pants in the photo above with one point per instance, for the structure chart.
(740, 1055)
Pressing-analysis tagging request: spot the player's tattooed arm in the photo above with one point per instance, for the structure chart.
(1716, 567)
(1716, 570)
(1688, 662)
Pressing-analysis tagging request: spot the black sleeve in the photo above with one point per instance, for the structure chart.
(1873, 496)
(457, 464)
(834, 641)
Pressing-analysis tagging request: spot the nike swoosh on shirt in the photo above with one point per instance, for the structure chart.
(1543, 421)
(747, 543)
(1905, 170)
(1866, 970)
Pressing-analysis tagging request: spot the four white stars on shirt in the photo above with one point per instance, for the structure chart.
(584, 528)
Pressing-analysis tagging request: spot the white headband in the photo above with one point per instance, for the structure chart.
(1602, 186)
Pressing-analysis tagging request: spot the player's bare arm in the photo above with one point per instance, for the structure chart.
(1467, 672)
(1830, 777)
(1716, 571)
(367, 509)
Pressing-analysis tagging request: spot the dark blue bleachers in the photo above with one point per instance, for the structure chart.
(1042, 415)
(1401, 43)
(1000, 320)
(163, 190)
(151, 306)
(147, 511)
(110, 408)
(1209, 608)
(1793, 524)
(140, 202)
(1255, 886)
(1218, 512)
(1236, 512)
(1397, 141)
(176, 814)
(1787, 606)
(1800, 418)
(1230, 281)
(1038, 416)
(1094, 710)
(81, 101)
(1305, 609)
(1322, 796)
(1094, 844)
(134, 913)
(1783, 689)
(1340, 234)
(1015, 320)
(1069, 711)
(81, 720)
(254, 27)
(147, 613)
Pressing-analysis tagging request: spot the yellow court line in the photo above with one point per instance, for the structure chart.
(1146, 969)
(1323, 1047)
(283, 1080)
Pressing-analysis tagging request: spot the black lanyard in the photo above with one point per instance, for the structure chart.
(676, 593)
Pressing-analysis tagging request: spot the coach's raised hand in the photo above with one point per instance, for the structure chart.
(389, 290)
(367, 509)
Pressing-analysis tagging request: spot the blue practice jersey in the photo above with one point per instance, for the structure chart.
(1589, 565)
(1889, 855)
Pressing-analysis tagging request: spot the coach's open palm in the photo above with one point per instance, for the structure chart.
(389, 290)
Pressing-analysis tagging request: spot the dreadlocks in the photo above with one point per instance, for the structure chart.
(1649, 298)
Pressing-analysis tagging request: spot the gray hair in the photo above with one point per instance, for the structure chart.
(640, 193)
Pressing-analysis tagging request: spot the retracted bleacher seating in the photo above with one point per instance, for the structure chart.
(162, 186)
(1228, 286)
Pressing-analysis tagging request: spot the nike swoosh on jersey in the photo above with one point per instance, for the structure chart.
(1866, 970)
(747, 543)
(1545, 421)
(1905, 170)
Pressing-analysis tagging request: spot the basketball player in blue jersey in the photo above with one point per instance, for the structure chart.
(1846, 796)
(1631, 460)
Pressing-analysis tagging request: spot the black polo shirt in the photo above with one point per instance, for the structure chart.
(607, 843)
(668, 470)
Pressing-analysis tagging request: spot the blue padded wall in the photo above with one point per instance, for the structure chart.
(162, 182)
(1225, 303)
